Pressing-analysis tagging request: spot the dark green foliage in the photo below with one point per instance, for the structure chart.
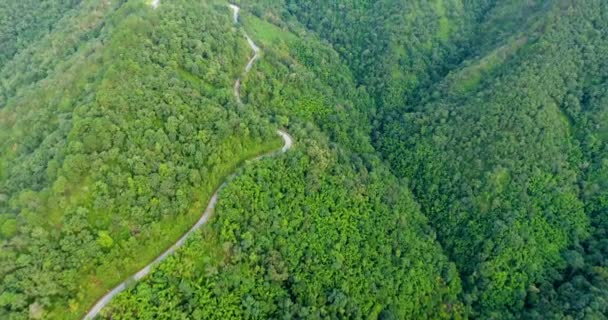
(22, 22)
(496, 168)
(480, 123)
(108, 161)
(304, 237)
(293, 236)
(117, 122)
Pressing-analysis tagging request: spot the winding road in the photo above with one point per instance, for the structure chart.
(287, 144)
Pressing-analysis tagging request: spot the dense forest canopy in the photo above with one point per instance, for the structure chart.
(450, 158)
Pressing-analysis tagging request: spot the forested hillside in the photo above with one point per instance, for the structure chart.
(111, 156)
(312, 234)
(450, 158)
(494, 138)
(27, 21)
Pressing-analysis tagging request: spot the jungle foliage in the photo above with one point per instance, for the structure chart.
(451, 159)
(496, 124)
(110, 150)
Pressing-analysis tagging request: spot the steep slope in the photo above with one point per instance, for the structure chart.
(111, 150)
(205, 215)
(111, 154)
(313, 233)
(482, 133)
(306, 237)
(118, 120)
(496, 165)
(581, 291)
(399, 49)
(23, 22)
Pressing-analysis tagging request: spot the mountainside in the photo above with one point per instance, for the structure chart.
(114, 153)
(449, 159)
(491, 139)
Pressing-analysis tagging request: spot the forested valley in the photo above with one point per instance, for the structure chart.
(450, 159)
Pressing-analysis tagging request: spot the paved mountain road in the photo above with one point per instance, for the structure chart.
(287, 144)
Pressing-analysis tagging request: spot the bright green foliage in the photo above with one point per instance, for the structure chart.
(115, 152)
(8, 226)
(320, 232)
(451, 158)
(479, 122)
(304, 237)
(104, 240)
